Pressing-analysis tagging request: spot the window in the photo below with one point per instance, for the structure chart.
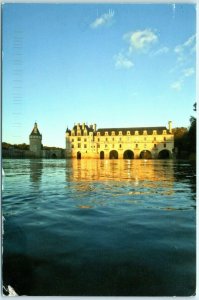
(105, 146)
(120, 146)
(85, 132)
(128, 133)
(79, 145)
(85, 146)
(120, 132)
(106, 139)
(72, 140)
(112, 132)
(136, 132)
(165, 145)
(85, 140)
(136, 146)
(165, 138)
(98, 145)
(154, 139)
(155, 146)
(79, 139)
(112, 139)
(78, 133)
(98, 139)
(154, 131)
(106, 133)
(72, 146)
(98, 133)
(145, 139)
(164, 132)
(120, 139)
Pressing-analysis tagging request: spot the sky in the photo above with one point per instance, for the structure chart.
(116, 65)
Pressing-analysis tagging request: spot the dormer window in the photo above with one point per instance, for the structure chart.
(164, 132)
(120, 132)
(128, 133)
(145, 132)
(98, 133)
(136, 132)
(106, 132)
(112, 132)
(154, 131)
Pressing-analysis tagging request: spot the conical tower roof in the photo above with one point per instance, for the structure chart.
(35, 130)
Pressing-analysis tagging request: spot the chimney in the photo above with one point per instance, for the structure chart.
(170, 126)
(94, 127)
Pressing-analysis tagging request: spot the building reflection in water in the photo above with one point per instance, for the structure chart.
(36, 167)
(147, 173)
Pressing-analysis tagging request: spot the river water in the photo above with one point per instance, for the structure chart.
(99, 227)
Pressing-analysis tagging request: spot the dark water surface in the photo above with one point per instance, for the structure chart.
(99, 227)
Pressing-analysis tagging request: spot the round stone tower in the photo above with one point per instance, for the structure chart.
(35, 141)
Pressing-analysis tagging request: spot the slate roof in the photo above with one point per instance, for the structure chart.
(35, 131)
(89, 129)
(132, 130)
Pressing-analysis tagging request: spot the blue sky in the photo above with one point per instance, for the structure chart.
(114, 65)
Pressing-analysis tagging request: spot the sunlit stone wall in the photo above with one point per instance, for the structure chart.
(85, 141)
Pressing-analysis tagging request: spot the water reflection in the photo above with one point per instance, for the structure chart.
(85, 220)
(121, 170)
(36, 167)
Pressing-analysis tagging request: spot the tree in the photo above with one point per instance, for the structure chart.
(181, 140)
(192, 133)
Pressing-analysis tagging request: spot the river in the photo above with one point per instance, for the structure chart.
(99, 227)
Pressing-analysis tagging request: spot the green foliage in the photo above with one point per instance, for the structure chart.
(181, 140)
(185, 139)
(15, 146)
(21, 146)
(6, 145)
(192, 135)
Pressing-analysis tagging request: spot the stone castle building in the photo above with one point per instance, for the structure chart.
(85, 141)
(35, 139)
(36, 147)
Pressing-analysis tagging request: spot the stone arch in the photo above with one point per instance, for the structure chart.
(128, 154)
(164, 154)
(53, 155)
(145, 154)
(113, 154)
(101, 154)
(79, 155)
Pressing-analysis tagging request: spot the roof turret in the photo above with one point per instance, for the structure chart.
(35, 130)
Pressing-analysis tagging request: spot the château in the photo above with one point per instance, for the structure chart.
(84, 141)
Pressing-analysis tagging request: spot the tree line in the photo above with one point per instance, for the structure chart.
(26, 147)
(185, 139)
